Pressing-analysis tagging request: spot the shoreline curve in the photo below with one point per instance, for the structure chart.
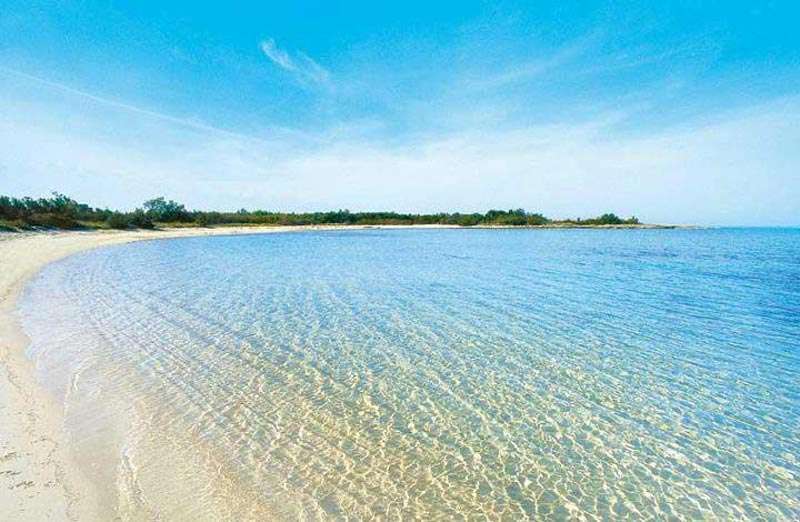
(38, 480)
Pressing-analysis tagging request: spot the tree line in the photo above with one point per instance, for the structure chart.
(63, 212)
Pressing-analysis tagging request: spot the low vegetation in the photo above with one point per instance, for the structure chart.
(60, 211)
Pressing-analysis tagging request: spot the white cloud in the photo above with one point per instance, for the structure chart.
(279, 56)
(314, 70)
(304, 67)
(735, 171)
(739, 167)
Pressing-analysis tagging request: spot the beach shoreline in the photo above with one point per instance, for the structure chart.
(38, 481)
(37, 478)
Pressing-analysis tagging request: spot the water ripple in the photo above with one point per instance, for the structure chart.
(432, 374)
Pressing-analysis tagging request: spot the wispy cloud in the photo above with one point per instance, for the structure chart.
(301, 65)
(737, 167)
(528, 70)
(279, 56)
(710, 171)
(190, 123)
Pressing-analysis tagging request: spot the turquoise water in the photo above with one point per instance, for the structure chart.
(435, 374)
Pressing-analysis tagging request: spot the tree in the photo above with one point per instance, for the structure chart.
(609, 219)
(159, 209)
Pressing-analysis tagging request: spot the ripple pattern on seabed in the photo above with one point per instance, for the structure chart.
(432, 374)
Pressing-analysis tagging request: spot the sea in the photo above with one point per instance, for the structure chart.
(448, 374)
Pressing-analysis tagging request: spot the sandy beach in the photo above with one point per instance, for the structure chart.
(37, 480)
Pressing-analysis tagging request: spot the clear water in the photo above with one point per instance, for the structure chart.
(439, 374)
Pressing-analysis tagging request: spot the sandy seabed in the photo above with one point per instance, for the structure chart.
(38, 481)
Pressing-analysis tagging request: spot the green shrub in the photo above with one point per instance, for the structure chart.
(9, 226)
(60, 211)
(51, 220)
(140, 219)
(201, 219)
(118, 220)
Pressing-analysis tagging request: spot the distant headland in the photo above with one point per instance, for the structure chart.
(63, 212)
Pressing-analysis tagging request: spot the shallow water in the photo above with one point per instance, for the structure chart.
(432, 374)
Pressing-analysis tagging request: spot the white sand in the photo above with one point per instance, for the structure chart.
(37, 479)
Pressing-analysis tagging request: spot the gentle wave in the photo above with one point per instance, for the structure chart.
(432, 374)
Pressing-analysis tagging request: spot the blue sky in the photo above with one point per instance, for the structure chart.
(678, 112)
